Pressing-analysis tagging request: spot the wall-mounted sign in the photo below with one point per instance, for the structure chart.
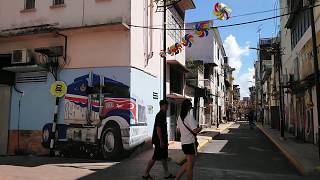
(150, 109)
(58, 89)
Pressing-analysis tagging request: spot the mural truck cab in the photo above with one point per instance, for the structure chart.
(100, 117)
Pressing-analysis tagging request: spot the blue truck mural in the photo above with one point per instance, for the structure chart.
(100, 117)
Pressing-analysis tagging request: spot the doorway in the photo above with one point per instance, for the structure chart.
(4, 117)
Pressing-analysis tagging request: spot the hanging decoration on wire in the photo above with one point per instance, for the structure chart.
(201, 30)
(175, 49)
(222, 11)
(187, 40)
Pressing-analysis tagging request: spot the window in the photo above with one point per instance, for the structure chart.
(300, 26)
(30, 4)
(175, 22)
(58, 2)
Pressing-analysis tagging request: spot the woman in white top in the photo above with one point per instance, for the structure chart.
(188, 129)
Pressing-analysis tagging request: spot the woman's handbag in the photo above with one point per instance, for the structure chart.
(196, 144)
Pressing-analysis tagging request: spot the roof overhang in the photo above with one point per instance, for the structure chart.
(211, 64)
(24, 68)
(176, 97)
(178, 65)
(54, 28)
(186, 5)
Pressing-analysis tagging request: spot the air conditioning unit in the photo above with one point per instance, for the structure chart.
(21, 56)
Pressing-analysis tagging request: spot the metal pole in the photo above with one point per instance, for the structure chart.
(54, 123)
(282, 122)
(217, 103)
(165, 49)
(261, 89)
(316, 65)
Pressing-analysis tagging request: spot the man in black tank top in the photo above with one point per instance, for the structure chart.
(160, 142)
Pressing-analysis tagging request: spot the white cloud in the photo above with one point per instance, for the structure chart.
(245, 81)
(235, 53)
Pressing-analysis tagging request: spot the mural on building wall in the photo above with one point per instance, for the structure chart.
(100, 116)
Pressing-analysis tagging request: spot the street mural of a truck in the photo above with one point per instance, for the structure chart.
(100, 117)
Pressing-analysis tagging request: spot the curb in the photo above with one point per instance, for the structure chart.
(292, 160)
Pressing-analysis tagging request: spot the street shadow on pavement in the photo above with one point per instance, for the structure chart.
(33, 161)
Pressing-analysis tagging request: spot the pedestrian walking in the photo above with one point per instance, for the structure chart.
(251, 118)
(160, 142)
(189, 129)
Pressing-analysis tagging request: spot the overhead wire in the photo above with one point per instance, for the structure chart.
(231, 25)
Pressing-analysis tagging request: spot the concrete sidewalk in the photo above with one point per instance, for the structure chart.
(206, 136)
(304, 157)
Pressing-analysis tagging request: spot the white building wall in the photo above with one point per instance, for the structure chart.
(75, 13)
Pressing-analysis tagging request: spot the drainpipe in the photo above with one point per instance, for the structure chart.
(18, 151)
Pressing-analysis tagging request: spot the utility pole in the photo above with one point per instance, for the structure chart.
(165, 49)
(217, 102)
(279, 66)
(316, 65)
(261, 82)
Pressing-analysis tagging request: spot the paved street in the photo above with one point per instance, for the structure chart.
(241, 153)
(238, 153)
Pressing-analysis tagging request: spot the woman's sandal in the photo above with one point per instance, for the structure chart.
(170, 176)
(148, 177)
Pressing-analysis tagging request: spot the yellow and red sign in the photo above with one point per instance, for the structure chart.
(58, 89)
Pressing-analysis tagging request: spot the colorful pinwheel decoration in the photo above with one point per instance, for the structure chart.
(202, 29)
(175, 49)
(187, 40)
(162, 54)
(222, 11)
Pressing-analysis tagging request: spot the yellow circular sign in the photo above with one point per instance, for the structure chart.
(58, 89)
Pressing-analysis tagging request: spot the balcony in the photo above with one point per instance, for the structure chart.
(265, 41)
(208, 83)
(294, 5)
(266, 69)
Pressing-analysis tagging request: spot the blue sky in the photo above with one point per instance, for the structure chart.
(238, 39)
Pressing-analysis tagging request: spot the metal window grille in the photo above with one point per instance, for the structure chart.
(29, 77)
(30, 4)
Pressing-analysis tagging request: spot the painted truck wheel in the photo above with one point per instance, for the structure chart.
(46, 137)
(111, 143)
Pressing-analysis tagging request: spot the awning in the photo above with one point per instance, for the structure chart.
(178, 65)
(176, 97)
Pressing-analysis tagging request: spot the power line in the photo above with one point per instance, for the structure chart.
(231, 25)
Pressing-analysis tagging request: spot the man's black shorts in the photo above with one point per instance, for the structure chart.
(189, 149)
(160, 153)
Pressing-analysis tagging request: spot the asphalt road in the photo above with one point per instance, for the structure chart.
(242, 153)
(237, 154)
